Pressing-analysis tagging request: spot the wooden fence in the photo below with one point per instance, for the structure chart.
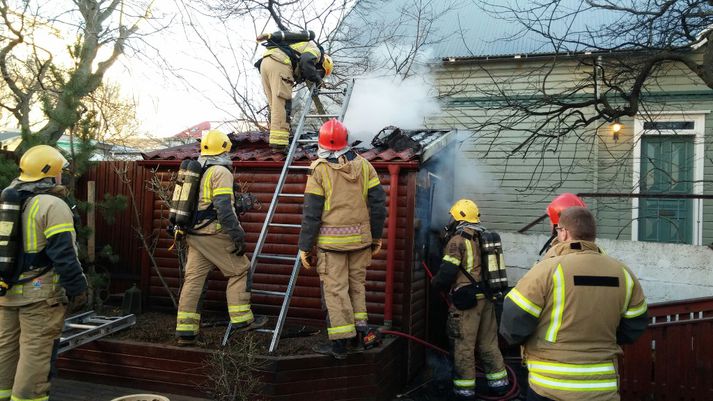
(673, 360)
(119, 178)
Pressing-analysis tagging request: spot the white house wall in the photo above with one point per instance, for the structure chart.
(667, 272)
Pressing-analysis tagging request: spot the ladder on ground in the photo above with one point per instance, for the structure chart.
(288, 166)
(88, 326)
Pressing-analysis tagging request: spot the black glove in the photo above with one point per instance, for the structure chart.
(239, 248)
(77, 303)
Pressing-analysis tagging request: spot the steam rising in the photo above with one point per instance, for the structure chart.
(378, 102)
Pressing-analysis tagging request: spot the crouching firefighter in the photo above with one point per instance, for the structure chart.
(40, 275)
(291, 58)
(215, 240)
(554, 210)
(344, 216)
(471, 317)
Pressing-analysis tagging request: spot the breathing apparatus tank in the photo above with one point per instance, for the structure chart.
(10, 236)
(493, 261)
(185, 194)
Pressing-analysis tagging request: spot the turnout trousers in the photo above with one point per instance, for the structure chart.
(277, 81)
(27, 336)
(343, 276)
(206, 252)
(470, 330)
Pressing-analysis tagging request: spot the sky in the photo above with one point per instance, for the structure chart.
(168, 104)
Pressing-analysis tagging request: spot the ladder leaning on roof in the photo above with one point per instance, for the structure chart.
(257, 253)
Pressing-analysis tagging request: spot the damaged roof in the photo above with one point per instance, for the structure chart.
(392, 144)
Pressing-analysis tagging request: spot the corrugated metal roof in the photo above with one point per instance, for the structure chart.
(468, 31)
(253, 146)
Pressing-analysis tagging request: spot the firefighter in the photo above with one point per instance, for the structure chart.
(216, 240)
(554, 209)
(344, 216)
(50, 282)
(570, 312)
(290, 58)
(471, 316)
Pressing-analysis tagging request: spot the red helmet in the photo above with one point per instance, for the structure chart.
(562, 202)
(333, 135)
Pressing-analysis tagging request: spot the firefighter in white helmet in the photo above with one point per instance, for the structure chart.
(471, 317)
(49, 280)
(216, 240)
(344, 216)
(570, 312)
(290, 58)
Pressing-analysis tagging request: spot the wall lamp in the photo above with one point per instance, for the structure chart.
(616, 127)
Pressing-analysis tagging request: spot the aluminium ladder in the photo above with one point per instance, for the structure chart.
(87, 327)
(257, 253)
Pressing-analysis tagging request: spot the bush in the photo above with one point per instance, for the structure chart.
(8, 172)
(233, 370)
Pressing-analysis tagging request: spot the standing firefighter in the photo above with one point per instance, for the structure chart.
(47, 279)
(554, 209)
(344, 214)
(216, 240)
(290, 58)
(471, 317)
(571, 311)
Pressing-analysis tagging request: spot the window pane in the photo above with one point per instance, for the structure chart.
(668, 125)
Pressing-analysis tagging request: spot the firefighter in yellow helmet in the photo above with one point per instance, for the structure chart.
(48, 281)
(216, 240)
(570, 312)
(344, 216)
(290, 58)
(471, 316)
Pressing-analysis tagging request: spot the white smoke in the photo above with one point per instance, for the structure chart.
(379, 101)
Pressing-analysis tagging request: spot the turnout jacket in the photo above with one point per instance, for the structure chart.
(461, 251)
(49, 239)
(216, 189)
(308, 56)
(344, 206)
(571, 311)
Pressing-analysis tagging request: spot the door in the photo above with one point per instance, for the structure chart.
(666, 167)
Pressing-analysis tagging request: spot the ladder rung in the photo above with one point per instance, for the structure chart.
(80, 326)
(307, 141)
(322, 115)
(286, 225)
(299, 167)
(277, 257)
(286, 195)
(274, 293)
(265, 330)
(341, 92)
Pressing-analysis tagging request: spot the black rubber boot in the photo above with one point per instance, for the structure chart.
(336, 348)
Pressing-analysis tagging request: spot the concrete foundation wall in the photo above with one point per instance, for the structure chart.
(668, 272)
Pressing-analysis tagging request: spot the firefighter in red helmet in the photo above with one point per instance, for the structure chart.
(344, 215)
(554, 210)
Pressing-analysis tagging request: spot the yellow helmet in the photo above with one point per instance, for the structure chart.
(466, 210)
(40, 162)
(328, 65)
(215, 142)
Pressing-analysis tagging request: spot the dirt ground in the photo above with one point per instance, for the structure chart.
(159, 328)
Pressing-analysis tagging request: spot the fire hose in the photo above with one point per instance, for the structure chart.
(514, 390)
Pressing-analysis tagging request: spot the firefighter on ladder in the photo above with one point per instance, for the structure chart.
(290, 58)
(217, 240)
(570, 312)
(344, 216)
(471, 317)
(50, 281)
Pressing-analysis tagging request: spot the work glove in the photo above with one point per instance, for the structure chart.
(375, 247)
(239, 247)
(305, 257)
(77, 303)
(262, 36)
